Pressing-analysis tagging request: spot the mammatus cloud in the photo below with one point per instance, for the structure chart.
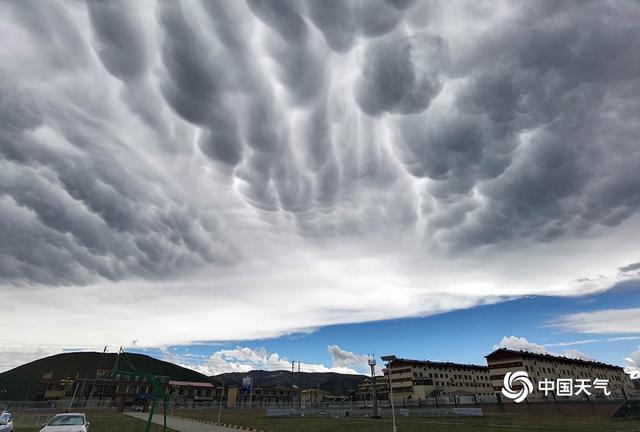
(522, 344)
(243, 359)
(307, 163)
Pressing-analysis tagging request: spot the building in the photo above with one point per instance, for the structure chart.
(364, 391)
(233, 393)
(186, 393)
(98, 390)
(313, 396)
(420, 379)
(276, 396)
(545, 366)
(50, 388)
(121, 390)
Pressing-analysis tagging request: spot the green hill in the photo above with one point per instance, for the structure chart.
(334, 383)
(21, 383)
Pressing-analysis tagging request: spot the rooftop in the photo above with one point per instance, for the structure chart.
(501, 351)
(190, 384)
(439, 364)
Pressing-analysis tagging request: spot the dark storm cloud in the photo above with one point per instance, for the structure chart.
(146, 140)
(630, 268)
(401, 74)
(52, 27)
(537, 129)
(343, 22)
(72, 211)
(118, 38)
(195, 84)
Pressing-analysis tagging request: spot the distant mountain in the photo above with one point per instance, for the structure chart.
(334, 383)
(21, 383)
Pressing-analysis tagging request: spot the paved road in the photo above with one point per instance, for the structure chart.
(182, 425)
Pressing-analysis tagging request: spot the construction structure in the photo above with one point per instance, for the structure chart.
(123, 366)
(364, 393)
(374, 397)
(313, 396)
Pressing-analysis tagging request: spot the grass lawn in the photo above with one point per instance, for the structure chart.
(489, 423)
(106, 421)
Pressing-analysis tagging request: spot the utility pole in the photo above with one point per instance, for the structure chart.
(293, 366)
(389, 359)
(74, 395)
(220, 404)
(372, 365)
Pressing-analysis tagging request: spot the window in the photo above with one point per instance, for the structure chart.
(67, 420)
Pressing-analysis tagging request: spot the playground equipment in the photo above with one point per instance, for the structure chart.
(159, 391)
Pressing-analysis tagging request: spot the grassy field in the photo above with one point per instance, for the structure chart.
(106, 421)
(489, 423)
(113, 422)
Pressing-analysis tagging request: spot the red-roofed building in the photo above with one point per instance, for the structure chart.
(190, 392)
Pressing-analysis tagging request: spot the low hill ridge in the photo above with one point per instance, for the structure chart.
(22, 382)
(334, 383)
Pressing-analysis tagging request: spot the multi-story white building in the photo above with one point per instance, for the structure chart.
(420, 379)
(541, 367)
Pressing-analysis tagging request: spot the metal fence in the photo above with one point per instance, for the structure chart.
(346, 411)
(30, 420)
(56, 405)
(62, 405)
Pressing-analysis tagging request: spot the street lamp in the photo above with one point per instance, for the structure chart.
(389, 359)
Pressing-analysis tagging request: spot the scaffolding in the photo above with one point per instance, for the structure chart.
(159, 391)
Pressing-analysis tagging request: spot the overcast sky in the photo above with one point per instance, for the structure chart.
(176, 172)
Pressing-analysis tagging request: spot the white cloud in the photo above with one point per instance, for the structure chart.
(570, 343)
(16, 354)
(244, 359)
(343, 358)
(633, 364)
(573, 353)
(522, 344)
(603, 321)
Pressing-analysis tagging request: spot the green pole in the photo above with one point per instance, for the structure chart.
(158, 389)
(151, 413)
(164, 401)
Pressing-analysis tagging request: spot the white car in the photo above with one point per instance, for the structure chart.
(72, 422)
(6, 422)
